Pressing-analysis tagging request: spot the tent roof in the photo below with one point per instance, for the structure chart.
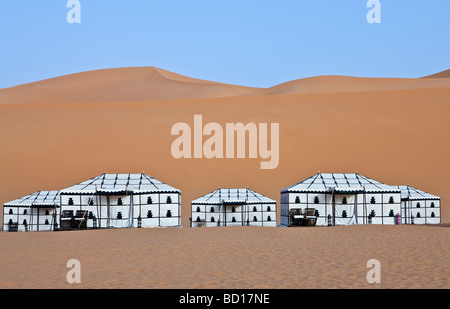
(233, 196)
(37, 199)
(410, 193)
(120, 184)
(340, 183)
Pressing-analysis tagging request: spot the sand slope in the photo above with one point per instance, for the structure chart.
(153, 84)
(328, 84)
(123, 84)
(443, 74)
(394, 136)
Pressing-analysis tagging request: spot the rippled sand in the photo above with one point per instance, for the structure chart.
(229, 257)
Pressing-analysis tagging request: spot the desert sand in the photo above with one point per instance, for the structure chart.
(443, 74)
(411, 257)
(62, 131)
(119, 85)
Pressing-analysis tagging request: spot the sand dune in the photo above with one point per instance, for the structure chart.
(118, 85)
(396, 137)
(327, 84)
(154, 84)
(443, 74)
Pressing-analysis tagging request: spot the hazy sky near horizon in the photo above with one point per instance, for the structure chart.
(246, 42)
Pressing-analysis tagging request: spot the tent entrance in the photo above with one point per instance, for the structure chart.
(302, 217)
(74, 221)
(343, 209)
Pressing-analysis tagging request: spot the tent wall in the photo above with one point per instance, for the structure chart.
(12, 214)
(422, 211)
(341, 206)
(433, 211)
(36, 218)
(119, 211)
(209, 215)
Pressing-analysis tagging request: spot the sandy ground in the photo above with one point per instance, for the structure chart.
(230, 257)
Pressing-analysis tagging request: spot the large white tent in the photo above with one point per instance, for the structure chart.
(419, 207)
(344, 198)
(120, 201)
(34, 212)
(233, 207)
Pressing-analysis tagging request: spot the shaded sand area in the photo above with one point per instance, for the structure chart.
(231, 257)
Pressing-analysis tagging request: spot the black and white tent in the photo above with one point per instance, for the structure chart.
(342, 199)
(419, 207)
(121, 201)
(233, 207)
(34, 212)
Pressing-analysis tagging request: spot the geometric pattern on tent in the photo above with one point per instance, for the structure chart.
(411, 193)
(122, 201)
(342, 199)
(40, 198)
(233, 196)
(116, 183)
(326, 182)
(233, 207)
(419, 207)
(34, 212)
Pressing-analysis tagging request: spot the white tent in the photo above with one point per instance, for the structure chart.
(121, 201)
(233, 207)
(419, 207)
(344, 198)
(34, 212)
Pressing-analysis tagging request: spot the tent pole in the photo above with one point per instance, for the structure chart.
(96, 204)
(364, 206)
(224, 215)
(108, 211)
(159, 209)
(333, 201)
(410, 211)
(31, 220)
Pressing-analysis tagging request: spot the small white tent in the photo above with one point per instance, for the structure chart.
(34, 212)
(342, 199)
(233, 207)
(121, 201)
(419, 207)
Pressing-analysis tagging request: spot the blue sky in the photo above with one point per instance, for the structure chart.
(246, 42)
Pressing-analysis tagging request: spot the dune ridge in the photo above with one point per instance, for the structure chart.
(339, 84)
(155, 84)
(443, 74)
(118, 85)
